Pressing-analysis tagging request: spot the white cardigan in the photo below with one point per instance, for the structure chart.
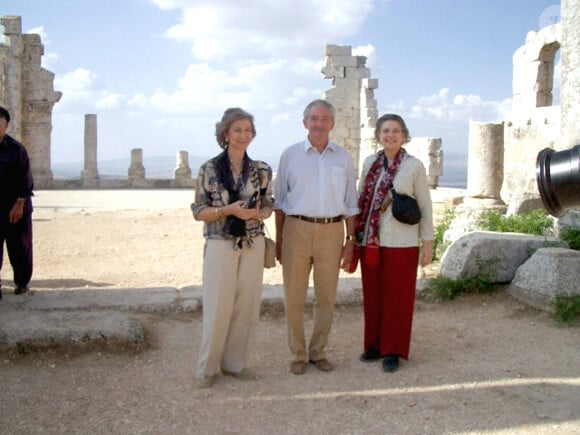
(411, 179)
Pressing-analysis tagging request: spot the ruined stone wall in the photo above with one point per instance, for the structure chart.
(428, 150)
(28, 94)
(570, 76)
(533, 123)
(352, 95)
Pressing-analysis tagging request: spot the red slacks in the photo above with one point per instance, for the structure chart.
(389, 298)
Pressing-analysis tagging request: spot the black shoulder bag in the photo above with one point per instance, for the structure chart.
(405, 208)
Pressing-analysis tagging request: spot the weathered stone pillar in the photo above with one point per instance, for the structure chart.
(26, 90)
(182, 172)
(533, 124)
(570, 75)
(368, 120)
(11, 68)
(485, 166)
(90, 175)
(570, 85)
(136, 170)
(428, 150)
(352, 95)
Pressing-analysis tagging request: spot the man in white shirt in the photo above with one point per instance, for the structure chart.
(316, 201)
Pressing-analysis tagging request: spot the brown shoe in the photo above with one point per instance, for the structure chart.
(323, 365)
(298, 367)
(206, 381)
(242, 375)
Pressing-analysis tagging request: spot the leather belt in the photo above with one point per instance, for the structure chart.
(318, 220)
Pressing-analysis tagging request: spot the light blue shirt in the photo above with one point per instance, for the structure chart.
(316, 184)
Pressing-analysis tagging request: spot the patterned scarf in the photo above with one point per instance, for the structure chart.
(370, 202)
(233, 225)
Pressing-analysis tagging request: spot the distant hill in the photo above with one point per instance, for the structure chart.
(162, 167)
(454, 171)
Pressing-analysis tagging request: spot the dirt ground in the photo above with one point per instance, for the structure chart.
(480, 364)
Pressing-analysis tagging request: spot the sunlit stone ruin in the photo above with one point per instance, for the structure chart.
(352, 94)
(501, 156)
(27, 92)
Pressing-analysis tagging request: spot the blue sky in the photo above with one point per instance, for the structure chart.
(160, 73)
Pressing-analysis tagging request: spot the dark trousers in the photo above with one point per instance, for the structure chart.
(388, 300)
(18, 239)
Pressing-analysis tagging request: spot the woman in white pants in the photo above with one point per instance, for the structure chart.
(233, 196)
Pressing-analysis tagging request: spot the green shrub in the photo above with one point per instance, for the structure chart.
(482, 282)
(568, 308)
(536, 222)
(438, 232)
(572, 236)
(447, 288)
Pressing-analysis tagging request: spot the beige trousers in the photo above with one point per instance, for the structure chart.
(232, 294)
(318, 247)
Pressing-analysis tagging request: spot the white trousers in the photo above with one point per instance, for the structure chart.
(232, 295)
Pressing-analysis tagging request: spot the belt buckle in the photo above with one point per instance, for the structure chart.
(327, 220)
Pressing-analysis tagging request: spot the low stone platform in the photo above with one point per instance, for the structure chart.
(39, 330)
(107, 318)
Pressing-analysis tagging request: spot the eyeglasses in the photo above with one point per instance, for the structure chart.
(393, 131)
(315, 119)
(240, 131)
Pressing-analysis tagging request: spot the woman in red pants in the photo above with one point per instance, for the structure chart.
(390, 249)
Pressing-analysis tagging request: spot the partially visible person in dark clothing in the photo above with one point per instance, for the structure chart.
(15, 207)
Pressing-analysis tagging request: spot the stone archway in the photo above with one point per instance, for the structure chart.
(545, 79)
(534, 122)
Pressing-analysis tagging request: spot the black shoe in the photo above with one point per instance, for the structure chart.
(20, 290)
(391, 363)
(370, 355)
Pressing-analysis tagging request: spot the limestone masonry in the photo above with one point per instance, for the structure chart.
(501, 156)
(27, 92)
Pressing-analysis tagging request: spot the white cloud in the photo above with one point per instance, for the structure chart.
(237, 31)
(447, 116)
(265, 57)
(442, 107)
(111, 102)
(364, 50)
(79, 80)
(39, 31)
(49, 61)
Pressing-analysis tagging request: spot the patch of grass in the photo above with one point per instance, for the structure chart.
(483, 282)
(536, 222)
(447, 288)
(438, 232)
(572, 236)
(568, 308)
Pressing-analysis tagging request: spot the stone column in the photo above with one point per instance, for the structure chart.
(485, 166)
(182, 172)
(368, 120)
(90, 175)
(428, 150)
(26, 90)
(136, 170)
(570, 75)
(352, 95)
(11, 89)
